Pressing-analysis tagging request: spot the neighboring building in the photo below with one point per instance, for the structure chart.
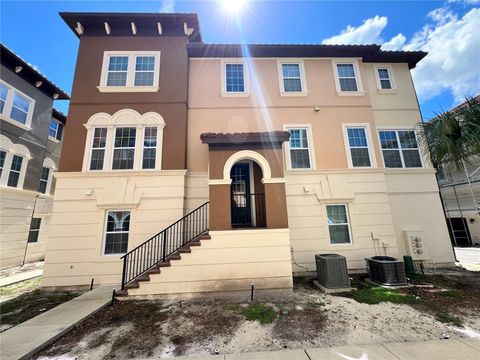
(30, 148)
(299, 150)
(460, 190)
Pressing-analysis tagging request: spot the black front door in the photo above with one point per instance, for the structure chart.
(240, 196)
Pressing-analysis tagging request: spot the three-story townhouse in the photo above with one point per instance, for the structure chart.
(293, 149)
(31, 143)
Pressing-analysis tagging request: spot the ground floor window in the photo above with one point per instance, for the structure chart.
(338, 224)
(117, 230)
(34, 230)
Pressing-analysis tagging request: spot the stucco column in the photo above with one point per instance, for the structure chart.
(276, 206)
(220, 207)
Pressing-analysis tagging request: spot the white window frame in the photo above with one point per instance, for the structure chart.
(13, 149)
(50, 164)
(390, 75)
(397, 129)
(51, 138)
(149, 147)
(124, 118)
(358, 77)
(349, 223)
(105, 223)
(91, 138)
(129, 87)
(246, 80)
(371, 148)
(311, 149)
(38, 230)
(5, 115)
(135, 149)
(303, 79)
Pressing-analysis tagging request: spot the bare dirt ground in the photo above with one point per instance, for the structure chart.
(304, 318)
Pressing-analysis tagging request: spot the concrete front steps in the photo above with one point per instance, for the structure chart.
(222, 261)
(157, 268)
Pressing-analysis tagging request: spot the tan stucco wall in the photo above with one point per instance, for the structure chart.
(75, 246)
(16, 208)
(229, 261)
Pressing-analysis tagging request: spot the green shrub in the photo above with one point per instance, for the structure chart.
(452, 293)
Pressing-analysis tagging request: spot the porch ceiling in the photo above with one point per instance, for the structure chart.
(250, 138)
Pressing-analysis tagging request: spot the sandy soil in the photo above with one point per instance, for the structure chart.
(305, 318)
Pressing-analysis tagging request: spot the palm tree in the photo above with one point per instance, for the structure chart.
(453, 137)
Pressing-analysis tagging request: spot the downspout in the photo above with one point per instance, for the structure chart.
(36, 197)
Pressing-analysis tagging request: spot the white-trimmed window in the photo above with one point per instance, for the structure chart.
(13, 163)
(400, 149)
(292, 78)
(347, 77)
(56, 130)
(124, 148)
(384, 78)
(358, 146)
(338, 224)
(234, 78)
(15, 106)
(99, 143)
(15, 171)
(125, 140)
(44, 178)
(299, 148)
(3, 156)
(116, 232)
(125, 71)
(149, 147)
(34, 231)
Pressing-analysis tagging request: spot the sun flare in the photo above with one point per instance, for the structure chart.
(234, 6)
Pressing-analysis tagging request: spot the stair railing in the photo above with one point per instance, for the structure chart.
(160, 246)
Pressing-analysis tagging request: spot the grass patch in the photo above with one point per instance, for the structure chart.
(376, 295)
(21, 287)
(447, 318)
(263, 313)
(315, 304)
(452, 294)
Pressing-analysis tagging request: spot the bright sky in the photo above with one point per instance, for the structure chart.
(449, 30)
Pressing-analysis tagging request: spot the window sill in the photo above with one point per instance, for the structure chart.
(125, 89)
(351, 93)
(233, 94)
(52, 139)
(293, 94)
(16, 123)
(387, 91)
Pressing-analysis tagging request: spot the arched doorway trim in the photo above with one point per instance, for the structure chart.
(247, 155)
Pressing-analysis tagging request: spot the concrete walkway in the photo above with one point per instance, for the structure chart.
(464, 349)
(22, 276)
(22, 341)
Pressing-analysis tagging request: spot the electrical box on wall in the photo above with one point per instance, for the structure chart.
(416, 245)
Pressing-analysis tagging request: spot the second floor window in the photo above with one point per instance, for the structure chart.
(346, 77)
(292, 78)
(56, 129)
(358, 144)
(384, 78)
(299, 149)
(149, 148)
(234, 78)
(3, 155)
(124, 148)
(15, 170)
(42, 187)
(15, 107)
(130, 71)
(98, 148)
(400, 149)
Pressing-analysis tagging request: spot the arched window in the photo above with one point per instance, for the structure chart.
(13, 163)
(125, 140)
(46, 176)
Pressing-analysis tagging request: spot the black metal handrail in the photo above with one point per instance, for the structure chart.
(160, 246)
